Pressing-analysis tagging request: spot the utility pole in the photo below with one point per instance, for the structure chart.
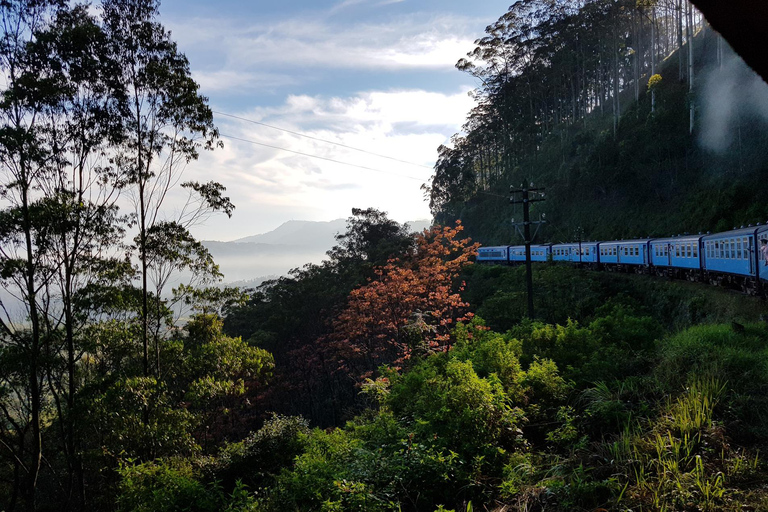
(528, 195)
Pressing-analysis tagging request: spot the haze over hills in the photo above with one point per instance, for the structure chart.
(248, 261)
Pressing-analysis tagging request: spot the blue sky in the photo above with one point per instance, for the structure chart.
(371, 74)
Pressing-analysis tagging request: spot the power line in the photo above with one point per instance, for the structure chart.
(298, 134)
(320, 157)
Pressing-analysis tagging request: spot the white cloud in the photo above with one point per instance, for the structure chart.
(406, 125)
(404, 43)
(232, 81)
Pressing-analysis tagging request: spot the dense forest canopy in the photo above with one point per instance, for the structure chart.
(635, 116)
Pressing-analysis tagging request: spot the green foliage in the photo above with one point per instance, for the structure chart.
(490, 353)
(138, 418)
(719, 352)
(259, 458)
(288, 315)
(173, 485)
(445, 397)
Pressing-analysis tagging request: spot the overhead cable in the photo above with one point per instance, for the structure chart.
(299, 134)
(232, 137)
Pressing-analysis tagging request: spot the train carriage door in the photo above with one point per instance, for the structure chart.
(669, 255)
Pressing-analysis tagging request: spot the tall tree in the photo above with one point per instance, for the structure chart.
(409, 307)
(166, 123)
(28, 155)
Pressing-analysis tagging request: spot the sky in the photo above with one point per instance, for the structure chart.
(373, 75)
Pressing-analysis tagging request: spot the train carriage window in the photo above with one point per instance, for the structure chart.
(677, 250)
(696, 250)
(739, 254)
(728, 248)
(688, 250)
(745, 245)
(733, 249)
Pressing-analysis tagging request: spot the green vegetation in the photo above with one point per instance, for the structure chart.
(616, 414)
(631, 407)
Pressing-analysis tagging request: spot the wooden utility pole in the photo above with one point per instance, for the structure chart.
(528, 195)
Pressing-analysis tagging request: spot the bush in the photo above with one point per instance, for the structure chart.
(259, 458)
(173, 485)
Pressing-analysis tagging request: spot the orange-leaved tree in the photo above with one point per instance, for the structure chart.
(409, 306)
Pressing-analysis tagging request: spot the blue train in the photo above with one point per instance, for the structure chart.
(732, 258)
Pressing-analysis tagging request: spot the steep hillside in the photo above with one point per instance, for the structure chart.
(651, 177)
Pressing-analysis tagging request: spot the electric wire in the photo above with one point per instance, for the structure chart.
(299, 134)
(248, 141)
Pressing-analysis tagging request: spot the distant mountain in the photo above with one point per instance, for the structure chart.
(293, 244)
(300, 232)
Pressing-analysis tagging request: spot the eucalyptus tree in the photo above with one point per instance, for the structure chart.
(59, 220)
(166, 123)
(28, 159)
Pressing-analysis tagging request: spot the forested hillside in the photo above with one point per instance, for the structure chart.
(637, 118)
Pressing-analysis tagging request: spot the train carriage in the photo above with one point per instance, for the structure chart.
(540, 252)
(680, 255)
(734, 256)
(584, 252)
(517, 254)
(633, 253)
(563, 252)
(499, 254)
